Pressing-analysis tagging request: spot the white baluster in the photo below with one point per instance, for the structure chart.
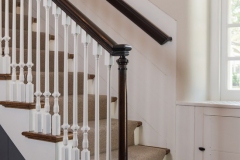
(13, 84)
(29, 85)
(85, 154)
(21, 87)
(56, 126)
(97, 51)
(6, 59)
(46, 115)
(1, 62)
(65, 126)
(109, 61)
(75, 153)
(38, 93)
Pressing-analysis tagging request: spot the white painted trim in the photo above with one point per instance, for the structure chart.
(215, 104)
(224, 66)
(215, 50)
(219, 59)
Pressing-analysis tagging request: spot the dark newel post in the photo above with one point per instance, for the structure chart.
(122, 110)
(122, 51)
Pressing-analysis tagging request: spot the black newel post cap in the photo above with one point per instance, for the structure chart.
(121, 50)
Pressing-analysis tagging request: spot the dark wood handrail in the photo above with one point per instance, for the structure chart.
(153, 31)
(93, 30)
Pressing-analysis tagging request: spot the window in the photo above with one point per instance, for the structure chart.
(230, 50)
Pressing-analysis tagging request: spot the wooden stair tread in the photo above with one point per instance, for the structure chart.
(8, 76)
(70, 56)
(46, 137)
(5, 76)
(139, 123)
(34, 20)
(59, 138)
(91, 76)
(51, 37)
(114, 99)
(19, 105)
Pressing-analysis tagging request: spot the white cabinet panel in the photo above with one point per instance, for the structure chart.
(198, 129)
(213, 128)
(185, 133)
(216, 155)
(221, 138)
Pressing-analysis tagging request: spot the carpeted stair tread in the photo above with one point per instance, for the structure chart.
(61, 82)
(17, 21)
(42, 59)
(91, 107)
(132, 125)
(34, 35)
(139, 153)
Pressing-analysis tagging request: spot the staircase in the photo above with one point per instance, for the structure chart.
(77, 93)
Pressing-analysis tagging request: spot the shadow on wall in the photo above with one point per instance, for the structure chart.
(8, 151)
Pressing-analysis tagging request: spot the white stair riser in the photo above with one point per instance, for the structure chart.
(9, 117)
(4, 94)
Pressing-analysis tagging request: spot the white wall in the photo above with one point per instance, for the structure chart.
(193, 31)
(151, 73)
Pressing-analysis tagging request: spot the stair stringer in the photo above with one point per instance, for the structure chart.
(14, 122)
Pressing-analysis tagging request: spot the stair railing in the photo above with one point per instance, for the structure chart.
(65, 150)
(75, 151)
(21, 87)
(38, 93)
(13, 84)
(45, 123)
(97, 52)
(47, 94)
(132, 14)
(6, 58)
(29, 85)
